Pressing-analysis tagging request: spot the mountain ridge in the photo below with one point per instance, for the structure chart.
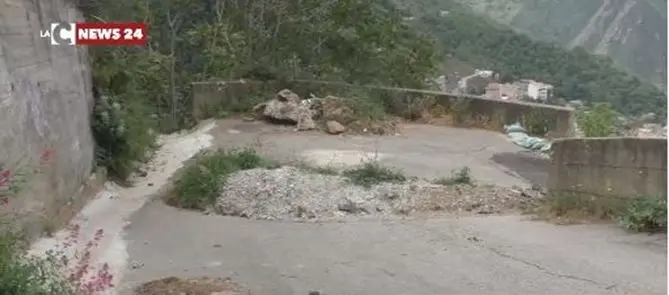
(632, 32)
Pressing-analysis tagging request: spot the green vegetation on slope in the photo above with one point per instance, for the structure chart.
(575, 73)
(355, 41)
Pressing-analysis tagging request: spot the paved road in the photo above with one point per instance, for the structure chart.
(420, 150)
(475, 255)
(484, 255)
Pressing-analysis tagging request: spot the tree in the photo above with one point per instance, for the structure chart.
(597, 121)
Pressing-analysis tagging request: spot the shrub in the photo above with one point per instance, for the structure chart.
(372, 173)
(201, 183)
(644, 214)
(55, 272)
(122, 135)
(597, 121)
(21, 275)
(641, 214)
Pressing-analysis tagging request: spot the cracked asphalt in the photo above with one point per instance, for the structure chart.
(465, 255)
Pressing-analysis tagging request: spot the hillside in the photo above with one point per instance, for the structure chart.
(483, 43)
(354, 41)
(632, 32)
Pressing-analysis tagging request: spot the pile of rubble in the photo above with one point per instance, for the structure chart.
(333, 114)
(290, 193)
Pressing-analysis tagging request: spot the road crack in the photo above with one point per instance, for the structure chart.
(548, 271)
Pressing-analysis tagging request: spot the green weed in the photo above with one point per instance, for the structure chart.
(458, 176)
(372, 173)
(201, 183)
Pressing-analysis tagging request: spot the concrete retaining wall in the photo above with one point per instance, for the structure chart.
(621, 167)
(466, 111)
(45, 101)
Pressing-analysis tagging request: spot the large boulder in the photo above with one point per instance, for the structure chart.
(282, 110)
(288, 107)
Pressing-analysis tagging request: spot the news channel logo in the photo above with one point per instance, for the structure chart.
(60, 34)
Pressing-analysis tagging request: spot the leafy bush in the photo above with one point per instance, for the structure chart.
(372, 173)
(201, 183)
(21, 275)
(644, 214)
(598, 121)
(122, 135)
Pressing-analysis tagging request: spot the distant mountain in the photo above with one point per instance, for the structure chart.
(469, 40)
(632, 32)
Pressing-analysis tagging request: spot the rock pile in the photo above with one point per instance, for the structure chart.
(287, 107)
(289, 193)
(336, 114)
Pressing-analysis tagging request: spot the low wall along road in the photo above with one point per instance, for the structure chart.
(619, 167)
(465, 111)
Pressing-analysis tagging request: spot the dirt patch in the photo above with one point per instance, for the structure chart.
(191, 286)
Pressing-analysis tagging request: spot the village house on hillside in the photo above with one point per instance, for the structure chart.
(504, 91)
(537, 91)
(520, 90)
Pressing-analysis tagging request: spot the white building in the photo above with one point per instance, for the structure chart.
(536, 90)
(539, 91)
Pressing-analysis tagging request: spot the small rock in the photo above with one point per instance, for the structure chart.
(334, 127)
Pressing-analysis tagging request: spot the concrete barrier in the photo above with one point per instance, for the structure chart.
(464, 110)
(619, 167)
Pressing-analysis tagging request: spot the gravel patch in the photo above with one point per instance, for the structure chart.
(290, 193)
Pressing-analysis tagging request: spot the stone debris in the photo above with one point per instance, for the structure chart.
(337, 114)
(288, 107)
(290, 193)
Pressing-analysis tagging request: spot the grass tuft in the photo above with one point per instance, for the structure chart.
(201, 183)
(458, 176)
(372, 173)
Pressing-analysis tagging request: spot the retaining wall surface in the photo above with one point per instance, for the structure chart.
(398, 100)
(621, 167)
(45, 101)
